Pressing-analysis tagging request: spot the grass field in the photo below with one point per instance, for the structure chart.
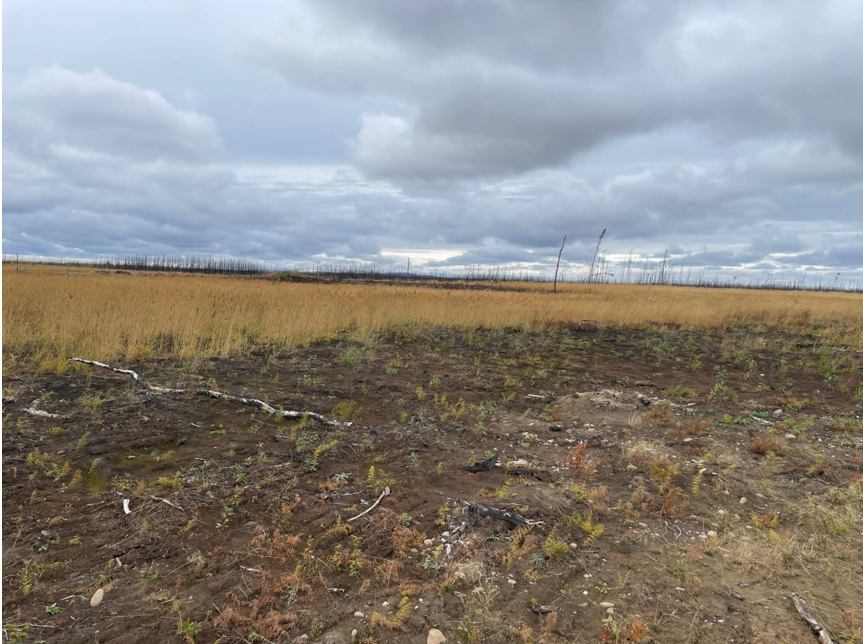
(49, 316)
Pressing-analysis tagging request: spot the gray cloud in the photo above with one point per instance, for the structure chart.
(502, 87)
(726, 133)
(107, 116)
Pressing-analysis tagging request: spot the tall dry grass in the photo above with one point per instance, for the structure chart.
(51, 316)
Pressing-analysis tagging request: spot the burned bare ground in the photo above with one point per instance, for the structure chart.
(679, 486)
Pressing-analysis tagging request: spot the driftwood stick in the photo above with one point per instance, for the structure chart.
(803, 608)
(33, 411)
(386, 492)
(252, 402)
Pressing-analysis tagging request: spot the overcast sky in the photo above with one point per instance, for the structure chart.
(454, 132)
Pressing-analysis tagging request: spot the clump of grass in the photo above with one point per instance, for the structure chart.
(345, 410)
(767, 442)
(681, 392)
(93, 402)
(661, 413)
(850, 425)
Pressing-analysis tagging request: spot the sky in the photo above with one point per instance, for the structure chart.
(727, 134)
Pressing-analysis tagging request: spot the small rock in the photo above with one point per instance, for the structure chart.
(610, 611)
(631, 468)
(354, 634)
(435, 637)
(96, 599)
(777, 413)
(445, 535)
(414, 551)
(385, 604)
(606, 604)
(428, 542)
(790, 437)
(524, 445)
(511, 582)
(360, 614)
(518, 463)
(711, 533)
(688, 439)
(573, 545)
(742, 500)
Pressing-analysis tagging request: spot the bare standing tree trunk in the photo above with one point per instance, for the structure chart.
(595, 253)
(556, 268)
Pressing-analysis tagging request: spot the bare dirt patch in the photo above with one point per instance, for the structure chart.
(679, 486)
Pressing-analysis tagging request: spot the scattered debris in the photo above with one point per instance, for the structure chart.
(126, 509)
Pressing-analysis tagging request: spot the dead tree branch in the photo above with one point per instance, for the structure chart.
(803, 608)
(252, 402)
(386, 492)
(173, 505)
(34, 411)
(557, 266)
(493, 513)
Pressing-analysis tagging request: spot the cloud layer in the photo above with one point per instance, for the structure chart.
(481, 133)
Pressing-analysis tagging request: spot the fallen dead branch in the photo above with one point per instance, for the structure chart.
(386, 492)
(253, 402)
(493, 513)
(803, 608)
(173, 505)
(34, 411)
(483, 466)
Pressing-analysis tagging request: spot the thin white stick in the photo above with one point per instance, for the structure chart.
(173, 505)
(253, 402)
(386, 492)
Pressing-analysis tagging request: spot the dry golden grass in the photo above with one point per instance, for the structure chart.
(51, 315)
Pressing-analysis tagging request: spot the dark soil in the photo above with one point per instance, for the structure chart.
(694, 479)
